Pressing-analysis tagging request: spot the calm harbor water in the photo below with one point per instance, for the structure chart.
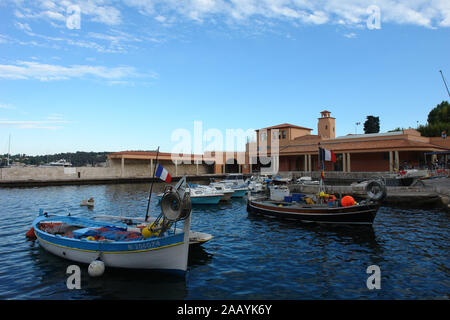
(248, 258)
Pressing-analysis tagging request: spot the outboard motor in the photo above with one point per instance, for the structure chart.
(376, 190)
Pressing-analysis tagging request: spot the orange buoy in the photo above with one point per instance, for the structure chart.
(30, 234)
(348, 201)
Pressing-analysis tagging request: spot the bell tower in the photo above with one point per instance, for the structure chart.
(325, 127)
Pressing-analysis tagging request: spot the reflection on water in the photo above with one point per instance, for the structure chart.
(249, 257)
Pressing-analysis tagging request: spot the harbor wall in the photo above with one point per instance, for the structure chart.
(56, 173)
(139, 168)
(131, 169)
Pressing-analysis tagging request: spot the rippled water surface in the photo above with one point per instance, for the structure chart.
(248, 258)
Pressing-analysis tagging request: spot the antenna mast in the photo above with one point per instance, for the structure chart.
(443, 79)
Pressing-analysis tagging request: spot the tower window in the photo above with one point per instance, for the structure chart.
(326, 127)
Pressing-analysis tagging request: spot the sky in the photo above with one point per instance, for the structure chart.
(104, 75)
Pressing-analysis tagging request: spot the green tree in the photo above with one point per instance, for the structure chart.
(438, 121)
(372, 125)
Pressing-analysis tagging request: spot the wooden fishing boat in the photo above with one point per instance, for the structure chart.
(159, 245)
(84, 240)
(322, 207)
(363, 213)
(195, 237)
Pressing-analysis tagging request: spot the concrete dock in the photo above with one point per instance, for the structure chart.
(396, 196)
(432, 193)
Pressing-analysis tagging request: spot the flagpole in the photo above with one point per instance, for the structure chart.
(151, 187)
(322, 165)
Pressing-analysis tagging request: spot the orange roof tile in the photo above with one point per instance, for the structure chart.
(360, 146)
(284, 125)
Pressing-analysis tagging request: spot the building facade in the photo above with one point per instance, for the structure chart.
(298, 148)
(288, 147)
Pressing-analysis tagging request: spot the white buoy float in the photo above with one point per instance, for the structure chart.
(96, 268)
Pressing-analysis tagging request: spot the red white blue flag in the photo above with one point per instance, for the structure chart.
(163, 174)
(327, 155)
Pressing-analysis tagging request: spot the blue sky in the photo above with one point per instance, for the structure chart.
(134, 71)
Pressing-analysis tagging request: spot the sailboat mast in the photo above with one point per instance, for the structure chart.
(151, 187)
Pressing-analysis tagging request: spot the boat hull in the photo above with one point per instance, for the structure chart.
(239, 193)
(226, 196)
(167, 253)
(199, 200)
(360, 214)
(206, 200)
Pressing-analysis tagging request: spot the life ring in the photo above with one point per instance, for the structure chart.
(376, 190)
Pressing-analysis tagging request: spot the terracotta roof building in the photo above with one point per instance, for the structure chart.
(298, 148)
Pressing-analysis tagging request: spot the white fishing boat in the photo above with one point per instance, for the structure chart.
(223, 189)
(201, 195)
(158, 245)
(307, 181)
(236, 182)
(255, 184)
(204, 195)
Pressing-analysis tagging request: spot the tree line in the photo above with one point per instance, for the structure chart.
(77, 159)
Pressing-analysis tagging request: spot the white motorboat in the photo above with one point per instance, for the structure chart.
(307, 181)
(255, 184)
(59, 163)
(236, 182)
(201, 195)
(223, 189)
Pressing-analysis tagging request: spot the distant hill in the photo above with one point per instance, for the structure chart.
(78, 159)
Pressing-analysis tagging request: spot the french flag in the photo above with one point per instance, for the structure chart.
(327, 155)
(163, 174)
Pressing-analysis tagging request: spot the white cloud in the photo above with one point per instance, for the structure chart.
(94, 10)
(349, 12)
(254, 13)
(350, 35)
(47, 72)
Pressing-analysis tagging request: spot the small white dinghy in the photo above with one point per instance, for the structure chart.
(88, 203)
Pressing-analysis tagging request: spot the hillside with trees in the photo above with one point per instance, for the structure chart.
(78, 159)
